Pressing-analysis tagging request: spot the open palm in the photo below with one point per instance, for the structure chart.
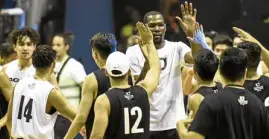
(188, 20)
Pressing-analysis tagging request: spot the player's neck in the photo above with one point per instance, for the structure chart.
(25, 63)
(102, 64)
(252, 75)
(43, 75)
(233, 83)
(119, 84)
(159, 46)
(206, 83)
(61, 58)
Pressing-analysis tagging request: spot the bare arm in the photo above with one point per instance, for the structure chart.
(183, 131)
(59, 102)
(151, 79)
(5, 86)
(9, 113)
(187, 75)
(89, 91)
(101, 111)
(194, 103)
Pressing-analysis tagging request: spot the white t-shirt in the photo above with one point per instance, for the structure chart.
(15, 74)
(29, 117)
(166, 103)
(71, 76)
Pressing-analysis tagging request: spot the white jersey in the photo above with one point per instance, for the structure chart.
(259, 69)
(15, 74)
(29, 117)
(166, 103)
(72, 75)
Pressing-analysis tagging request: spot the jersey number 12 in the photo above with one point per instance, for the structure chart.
(27, 110)
(135, 128)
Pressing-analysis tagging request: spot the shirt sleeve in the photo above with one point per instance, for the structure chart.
(203, 121)
(183, 49)
(134, 62)
(78, 72)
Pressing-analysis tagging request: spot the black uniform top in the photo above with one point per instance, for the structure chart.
(205, 91)
(260, 88)
(232, 113)
(129, 114)
(103, 85)
(3, 110)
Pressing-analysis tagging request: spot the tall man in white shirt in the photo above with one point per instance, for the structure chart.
(70, 75)
(166, 103)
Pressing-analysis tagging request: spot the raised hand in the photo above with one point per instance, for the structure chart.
(144, 33)
(245, 36)
(188, 20)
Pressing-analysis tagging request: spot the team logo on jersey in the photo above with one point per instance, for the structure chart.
(128, 96)
(258, 87)
(266, 102)
(163, 63)
(31, 86)
(215, 91)
(242, 100)
(14, 80)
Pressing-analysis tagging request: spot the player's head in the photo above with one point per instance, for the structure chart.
(220, 43)
(102, 46)
(61, 43)
(209, 39)
(254, 54)
(205, 65)
(117, 66)
(233, 64)
(157, 26)
(24, 41)
(236, 41)
(44, 58)
(7, 53)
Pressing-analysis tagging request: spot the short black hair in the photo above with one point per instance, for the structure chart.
(222, 39)
(104, 43)
(233, 63)
(6, 49)
(43, 57)
(145, 18)
(254, 53)
(206, 64)
(18, 35)
(67, 37)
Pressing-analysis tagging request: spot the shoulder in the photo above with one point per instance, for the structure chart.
(133, 50)
(74, 63)
(90, 82)
(11, 65)
(176, 44)
(102, 101)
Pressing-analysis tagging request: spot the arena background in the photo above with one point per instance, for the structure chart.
(83, 18)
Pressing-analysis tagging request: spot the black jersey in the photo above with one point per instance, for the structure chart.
(260, 88)
(103, 85)
(232, 113)
(205, 91)
(129, 114)
(3, 110)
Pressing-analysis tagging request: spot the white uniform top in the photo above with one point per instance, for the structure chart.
(259, 69)
(71, 76)
(29, 117)
(15, 74)
(166, 103)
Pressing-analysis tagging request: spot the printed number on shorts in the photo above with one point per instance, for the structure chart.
(27, 110)
(134, 111)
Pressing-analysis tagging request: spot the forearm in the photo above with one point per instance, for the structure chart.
(68, 112)
(265, 54)
(187, 85)
(75, 127)
(182, 131)
(143, 72)
(3, 121)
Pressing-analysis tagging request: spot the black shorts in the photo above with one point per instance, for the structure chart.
(4, 133)
(166, 134)
(61, 127)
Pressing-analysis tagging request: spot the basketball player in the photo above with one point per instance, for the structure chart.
(255, 83)
(7, 53)
(94, 85)
(5, 95)
(70, 74)
(24, 41)
(123, 111)
(231, 113)
(33, 97)
(167, 105)
(205, 66)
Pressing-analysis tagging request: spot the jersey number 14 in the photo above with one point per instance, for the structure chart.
(27, 110)
(134, 111)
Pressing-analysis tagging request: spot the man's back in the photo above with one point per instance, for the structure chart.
(129, 113)
(103, 85)
(29, 117)
(260, 88)
(232, 114)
